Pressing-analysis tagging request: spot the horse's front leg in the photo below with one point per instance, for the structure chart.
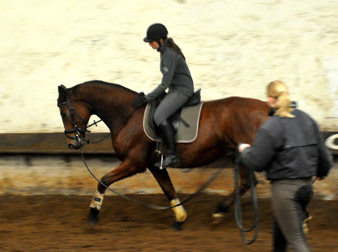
(224, 205)
(124, 170)
(163, 179)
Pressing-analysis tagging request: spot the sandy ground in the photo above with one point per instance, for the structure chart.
(57, 223)
(232, 47)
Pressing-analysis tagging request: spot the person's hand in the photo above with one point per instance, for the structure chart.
(242, 146)
(140, 101)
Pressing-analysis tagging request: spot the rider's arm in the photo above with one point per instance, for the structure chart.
(167, 68)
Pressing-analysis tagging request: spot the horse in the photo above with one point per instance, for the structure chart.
(224, 123)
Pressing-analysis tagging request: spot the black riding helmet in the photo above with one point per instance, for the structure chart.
(156, 32)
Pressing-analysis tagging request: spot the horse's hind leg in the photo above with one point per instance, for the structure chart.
(124, 170)
(163, 179)
(224, 205)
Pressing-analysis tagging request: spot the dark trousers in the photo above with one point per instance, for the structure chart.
(289, 215)
(168, 106)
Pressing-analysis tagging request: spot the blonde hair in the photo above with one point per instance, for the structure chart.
(278, 90)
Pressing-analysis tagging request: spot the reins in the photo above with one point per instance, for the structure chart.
(237, 204)
(80, 138)
(206, 184)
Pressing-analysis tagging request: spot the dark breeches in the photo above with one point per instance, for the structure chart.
(289, 215)
(168, 106)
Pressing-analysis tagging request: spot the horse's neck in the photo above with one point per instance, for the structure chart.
(110, 105)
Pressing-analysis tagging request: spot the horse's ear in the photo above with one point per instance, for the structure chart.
(62, 93)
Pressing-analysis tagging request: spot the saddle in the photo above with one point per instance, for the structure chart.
(184, 121)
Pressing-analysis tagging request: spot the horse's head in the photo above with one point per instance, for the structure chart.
(74, 116)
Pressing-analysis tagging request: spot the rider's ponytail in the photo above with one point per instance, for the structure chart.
(174, 46)
(279, 90)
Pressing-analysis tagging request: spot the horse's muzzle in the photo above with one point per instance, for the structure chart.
(71, 146)
(75, 145)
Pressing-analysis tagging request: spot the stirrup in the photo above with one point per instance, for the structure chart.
(159, 155)
(159, 164)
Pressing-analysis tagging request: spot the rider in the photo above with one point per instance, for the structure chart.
(176, 78)
(291, 150)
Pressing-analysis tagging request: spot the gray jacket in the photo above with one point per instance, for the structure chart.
(289, 148)
(176, 74)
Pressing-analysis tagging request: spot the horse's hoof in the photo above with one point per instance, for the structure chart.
(305, 226)
(93, 216)
(217, 218)
(177, 226)
(219, 214)
(221, 207)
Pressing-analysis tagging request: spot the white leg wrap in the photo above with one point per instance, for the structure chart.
(97, 200)
(179, 211)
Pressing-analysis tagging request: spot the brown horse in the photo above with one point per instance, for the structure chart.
(223, 124)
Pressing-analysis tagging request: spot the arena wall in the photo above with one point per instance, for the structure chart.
(233, 48)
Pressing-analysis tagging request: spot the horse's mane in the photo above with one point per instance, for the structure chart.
(101, 83)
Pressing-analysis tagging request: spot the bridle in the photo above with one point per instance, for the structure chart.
(79, 132)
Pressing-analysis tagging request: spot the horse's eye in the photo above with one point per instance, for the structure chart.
(63, 115)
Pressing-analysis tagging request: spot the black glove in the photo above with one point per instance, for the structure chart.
(140, 101)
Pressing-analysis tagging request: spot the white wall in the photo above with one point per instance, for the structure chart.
(232, 47)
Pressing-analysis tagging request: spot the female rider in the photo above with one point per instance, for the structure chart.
(177, 79)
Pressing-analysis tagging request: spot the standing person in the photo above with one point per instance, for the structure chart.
(177, 79)
(289, 147)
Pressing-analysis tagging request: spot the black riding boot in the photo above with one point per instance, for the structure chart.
(168, 136)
